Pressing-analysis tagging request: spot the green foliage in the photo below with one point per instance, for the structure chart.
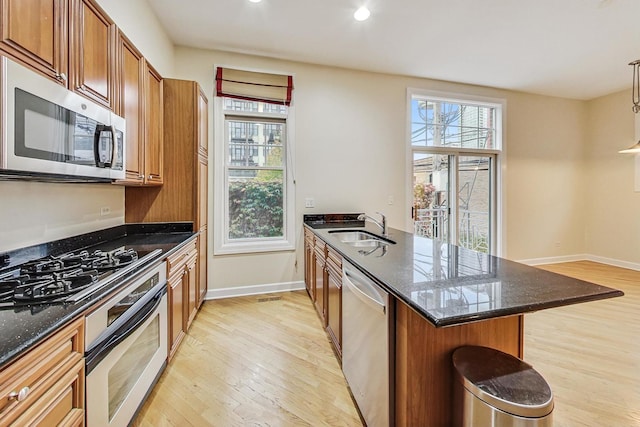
(423, 195)
(256, 208)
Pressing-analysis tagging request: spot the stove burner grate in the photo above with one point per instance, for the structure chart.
(56, 277)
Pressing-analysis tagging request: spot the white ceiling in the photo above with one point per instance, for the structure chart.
(568, 48)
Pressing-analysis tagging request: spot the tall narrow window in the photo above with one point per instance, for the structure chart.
(455, 146)
(254, 189)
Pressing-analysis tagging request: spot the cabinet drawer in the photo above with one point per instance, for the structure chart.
(334, 259)
(176, 261)
(308, 235)
(320, 247)
(63, 402)
(36, 372)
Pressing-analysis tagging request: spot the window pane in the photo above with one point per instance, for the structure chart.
(474, 201)
(256, 203)
(451, 124)
(255, 143)
(430, 195)
(253, 106)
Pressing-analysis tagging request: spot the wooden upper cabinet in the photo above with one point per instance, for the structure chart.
(35, 33)
(153, 109)
(131, 107)
(92, 52)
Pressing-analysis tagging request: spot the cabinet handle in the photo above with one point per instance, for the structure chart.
(61, 77)
(150, 177)
(19, 395)
(141, 176)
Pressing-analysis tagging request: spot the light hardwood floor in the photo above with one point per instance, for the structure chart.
(253, 361)
(264, 361)
(590, 353)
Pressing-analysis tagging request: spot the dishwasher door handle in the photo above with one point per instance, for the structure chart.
(357, 286)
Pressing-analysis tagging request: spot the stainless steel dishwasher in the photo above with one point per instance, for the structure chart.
(366, 339)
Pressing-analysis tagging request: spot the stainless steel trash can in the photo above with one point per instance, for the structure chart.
(495, 389)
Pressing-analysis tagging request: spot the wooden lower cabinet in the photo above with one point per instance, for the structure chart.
(334, 300)
(175, 289)
(202, 266)
(423, 367)
(323, 282)
(182, 289)
(308, 265)
(320, 280)
(50, 378)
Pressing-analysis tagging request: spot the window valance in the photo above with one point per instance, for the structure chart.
(254, 86)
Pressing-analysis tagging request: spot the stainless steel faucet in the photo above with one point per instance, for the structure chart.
(382, 223)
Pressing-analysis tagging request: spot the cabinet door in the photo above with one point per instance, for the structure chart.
(309, 277)
(176, 311)
(153, 126)
(92, 52)
(131, 103)
(202, 189)
(203, 119)
(320, 285)
(334, 310)
(191, 301)
(35, 33)
(202, 266)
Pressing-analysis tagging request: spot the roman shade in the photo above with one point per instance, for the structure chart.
(253, 86)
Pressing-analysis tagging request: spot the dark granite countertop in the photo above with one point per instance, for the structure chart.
(451, 285)
(23, 327)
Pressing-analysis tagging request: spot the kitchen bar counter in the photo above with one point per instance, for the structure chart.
(450, 285)
(25, 326)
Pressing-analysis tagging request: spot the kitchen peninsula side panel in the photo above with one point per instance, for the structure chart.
(424, 375)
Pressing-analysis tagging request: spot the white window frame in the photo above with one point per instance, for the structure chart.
(222, 245)
(498, 234)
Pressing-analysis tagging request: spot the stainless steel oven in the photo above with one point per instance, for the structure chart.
(48, 129)
(127, 349)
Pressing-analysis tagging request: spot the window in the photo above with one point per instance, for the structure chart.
(254, 182)
(455, 147)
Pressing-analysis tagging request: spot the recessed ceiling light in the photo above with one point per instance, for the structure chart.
(362, 14)
(255, 1)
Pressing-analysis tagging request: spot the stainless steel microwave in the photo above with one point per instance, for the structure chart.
(48, 130)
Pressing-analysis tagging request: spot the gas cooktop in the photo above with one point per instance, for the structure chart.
(68, 277)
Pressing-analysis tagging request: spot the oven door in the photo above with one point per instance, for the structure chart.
(119, 382)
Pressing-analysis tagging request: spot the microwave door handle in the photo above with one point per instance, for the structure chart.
(96, 145)
(114, 145)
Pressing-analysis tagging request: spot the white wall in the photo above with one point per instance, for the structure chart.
(350, 156)
(139, 23)
(612, 206)
(32, 212)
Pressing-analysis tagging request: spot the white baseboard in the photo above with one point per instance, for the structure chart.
(241, 291)
(614, 262)
(582, 257)
(554, 260)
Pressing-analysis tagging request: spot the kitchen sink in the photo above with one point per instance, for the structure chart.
(360, 239)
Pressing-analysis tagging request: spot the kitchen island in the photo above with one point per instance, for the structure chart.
(445, 297)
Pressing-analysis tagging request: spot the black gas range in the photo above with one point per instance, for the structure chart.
(68, 277)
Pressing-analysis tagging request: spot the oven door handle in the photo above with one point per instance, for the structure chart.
(94, 356)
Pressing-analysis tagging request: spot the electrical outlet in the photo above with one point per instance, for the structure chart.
(557, 244)
(104, 211)
(390, 200)
(309, 202)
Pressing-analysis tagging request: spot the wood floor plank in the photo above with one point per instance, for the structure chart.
(590, 353)
(253, 361)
